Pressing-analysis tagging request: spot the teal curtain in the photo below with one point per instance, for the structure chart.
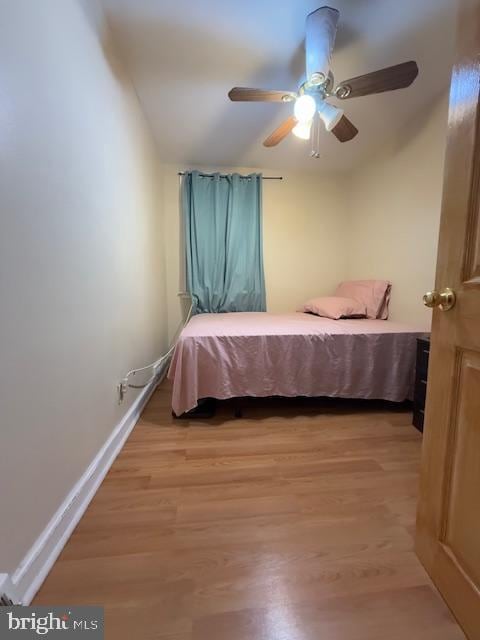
(223, 241)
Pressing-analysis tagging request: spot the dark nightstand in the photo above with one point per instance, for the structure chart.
(421, 373)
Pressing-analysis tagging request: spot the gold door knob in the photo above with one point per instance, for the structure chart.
(444, 299)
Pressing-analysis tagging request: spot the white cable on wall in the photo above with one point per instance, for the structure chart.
(154, 365)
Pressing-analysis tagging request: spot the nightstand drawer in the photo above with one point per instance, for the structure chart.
(420, 393)
(420, 390)
(423, 353)
(418, 418)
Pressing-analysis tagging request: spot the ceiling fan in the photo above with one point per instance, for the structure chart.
(310, 100)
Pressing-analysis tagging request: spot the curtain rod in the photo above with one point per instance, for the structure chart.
(210, 175)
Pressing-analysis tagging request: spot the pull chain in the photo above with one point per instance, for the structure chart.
(315, 137)
(312, 137)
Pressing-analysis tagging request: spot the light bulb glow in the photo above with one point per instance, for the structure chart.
(305, 107)
(302, 130)
(329, 114)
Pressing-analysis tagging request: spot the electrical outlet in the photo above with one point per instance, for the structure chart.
(8, 595)
(121, 390)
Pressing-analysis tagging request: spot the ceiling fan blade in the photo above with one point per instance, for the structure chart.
(244, 94)
(280, 132)
(344, 130)
(321, 29)
(388, 79)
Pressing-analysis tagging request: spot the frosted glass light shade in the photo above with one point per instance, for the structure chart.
(302, 130)
(329, 114)
(305, 107)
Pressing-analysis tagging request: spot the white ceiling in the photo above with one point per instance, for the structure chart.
(184, 56)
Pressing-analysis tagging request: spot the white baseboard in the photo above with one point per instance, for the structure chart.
(35, 566)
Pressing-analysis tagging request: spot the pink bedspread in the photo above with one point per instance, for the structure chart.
(262, 354)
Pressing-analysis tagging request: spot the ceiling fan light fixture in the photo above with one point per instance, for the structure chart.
(305, 107)
(329, 114)
(319, 85)
(302, 129)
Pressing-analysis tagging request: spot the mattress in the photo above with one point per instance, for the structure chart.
(263, 354)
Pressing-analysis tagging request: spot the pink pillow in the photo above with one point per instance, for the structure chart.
(373, 294)
(335, 308)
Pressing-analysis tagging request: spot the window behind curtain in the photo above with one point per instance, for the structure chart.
(223, 241)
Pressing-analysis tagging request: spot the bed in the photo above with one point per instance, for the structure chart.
(253, 354)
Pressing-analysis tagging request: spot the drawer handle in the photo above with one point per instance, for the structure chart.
(423, 381)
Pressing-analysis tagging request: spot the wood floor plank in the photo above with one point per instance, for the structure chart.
(294, 522)
(414, 613)
(308, 581)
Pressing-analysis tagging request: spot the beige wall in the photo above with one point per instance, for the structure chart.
(81, 265)
(394, 214)
(304, 231)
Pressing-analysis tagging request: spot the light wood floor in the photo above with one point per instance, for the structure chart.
(293, 523)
